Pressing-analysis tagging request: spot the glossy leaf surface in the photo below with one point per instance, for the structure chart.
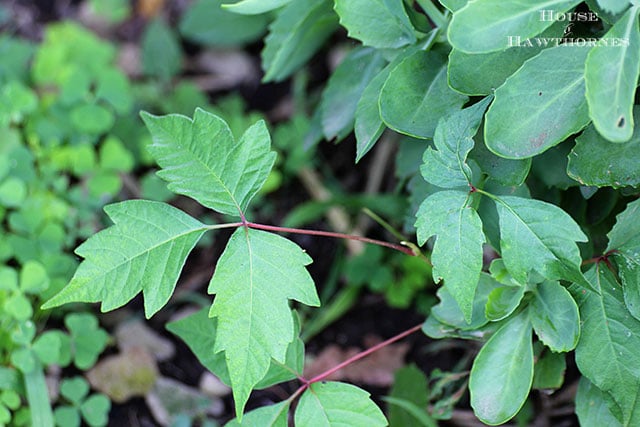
(554, 316)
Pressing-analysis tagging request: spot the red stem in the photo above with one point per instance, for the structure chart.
(362, 354)
(395, 246)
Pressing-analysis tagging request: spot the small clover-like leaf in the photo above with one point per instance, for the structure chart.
(256, 275)
(89, 340)
(152, 239)
(74, 389)
(201, 159)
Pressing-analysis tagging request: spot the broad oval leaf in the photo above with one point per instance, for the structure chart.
(416, 94)
(504, 171)
(457, 252)
(254, 7)
(597, 162)
(201, 159)
(593, 406)
(152, 239)
(299, 30)
(608, 352)
(344, 89)
(503, 301)
(252, 287)
(377, 23)
(611, 77)
(554, 316)
(206, 22)
(491, 25)
(447, 166)
(502, 373)
(540, 105)
(536, 235)
(330, 403)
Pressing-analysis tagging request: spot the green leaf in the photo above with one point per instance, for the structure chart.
(47, 347)
(378, 23)
(344, 89)
(613, 6)
(201, 159)
(625, 234)
(503, 301)
(554, 316)
(152, 239)
(447, 167)
(596, 161)
(206, 22)
(33, 278)
(502, 373)
(457, 252)
(333, 403)
(608, 352)
(549, 371)
(38, 397)
(483, 73)
(92, 119)
(611, 75)
(593, 406)
(491, 25)
(409, 385)
(74, 389)
(13, 192)
(299, 30)
(416, 95)
(254, 7)
(67, 416)
(87, 337)
(95, 410)
(536, 235)
(447, 310)
(534, 110)
(454, 5)
(161, 53)
(266, 416)
(252, 291)
(199, 332)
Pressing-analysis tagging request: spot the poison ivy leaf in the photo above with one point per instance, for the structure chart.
(266, 416)
(252, 291)
(200, 159)
(378, 23)
(447, 167)
(299, 30)
(554, 316)
(457, 252)
(254, 7)
(409, 384)
(483, 73)
(550, 104)
(344, 89)
(503, 301)
(536, 235)
(491, 25)
(611, 77)
(199, 331)
(208, 23)
(416, 95)
(502, 373)
(152, 240)
(608, 352)
(333, 403)
(596, 161)
(593, 406)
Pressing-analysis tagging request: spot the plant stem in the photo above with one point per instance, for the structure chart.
(227, 225)
(362, 354)
(395, 246)
(433, 13)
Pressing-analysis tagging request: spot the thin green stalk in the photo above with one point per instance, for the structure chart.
(433, 13)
